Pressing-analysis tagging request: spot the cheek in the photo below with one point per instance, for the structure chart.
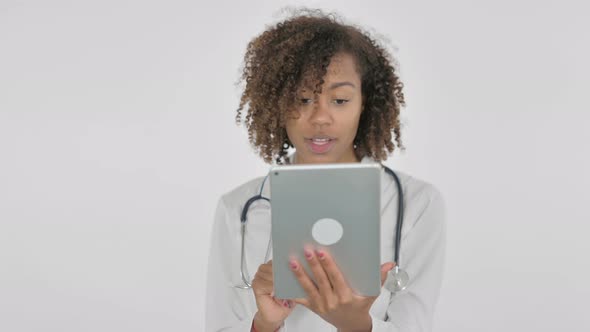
(291, 129)
(293, 126)
(353, 122)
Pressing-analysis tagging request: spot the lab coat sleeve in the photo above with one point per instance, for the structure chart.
(422, 256)
(225, 309)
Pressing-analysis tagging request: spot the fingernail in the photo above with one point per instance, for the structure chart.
(320, 254)
(308, 253)
(293, 265)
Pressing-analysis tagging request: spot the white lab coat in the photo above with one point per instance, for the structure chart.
(422, 256)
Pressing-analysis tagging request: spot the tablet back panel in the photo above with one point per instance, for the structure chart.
(305, 201)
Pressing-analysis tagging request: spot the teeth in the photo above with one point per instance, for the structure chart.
(320, 141)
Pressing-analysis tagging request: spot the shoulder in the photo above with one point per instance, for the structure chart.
(417, 189)
(423, 200)
(238, 196)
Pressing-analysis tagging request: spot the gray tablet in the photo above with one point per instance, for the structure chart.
(335, 207)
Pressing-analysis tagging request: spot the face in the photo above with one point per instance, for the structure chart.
(325, 127)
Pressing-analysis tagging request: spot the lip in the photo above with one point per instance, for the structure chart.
(320, 148)
(319, 137)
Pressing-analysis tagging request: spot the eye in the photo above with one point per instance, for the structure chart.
(340, 101)
(305, 101)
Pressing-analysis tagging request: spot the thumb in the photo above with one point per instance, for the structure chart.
(386, 267)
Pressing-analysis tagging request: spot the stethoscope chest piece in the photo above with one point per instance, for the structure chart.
(397, 280)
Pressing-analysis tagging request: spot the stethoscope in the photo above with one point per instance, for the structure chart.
(397, 279)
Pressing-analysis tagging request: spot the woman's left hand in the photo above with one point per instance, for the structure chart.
(331, 297)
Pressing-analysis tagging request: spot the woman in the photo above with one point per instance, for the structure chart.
(329, 91)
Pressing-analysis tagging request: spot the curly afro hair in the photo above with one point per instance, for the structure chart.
(296, 52)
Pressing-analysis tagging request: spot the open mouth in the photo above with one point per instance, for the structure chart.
(320, 144)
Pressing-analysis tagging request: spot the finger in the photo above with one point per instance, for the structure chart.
(304, 280)
(265, 271)
(321, 279)
(262, 287)
(285, 303)
(341, 287)
(291, 304)
(265, 268)
(303, 301)
(386, 267)
(265, 276)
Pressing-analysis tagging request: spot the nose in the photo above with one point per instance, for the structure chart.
(321, 115)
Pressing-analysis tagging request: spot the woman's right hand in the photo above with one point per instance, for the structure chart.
(271, 311)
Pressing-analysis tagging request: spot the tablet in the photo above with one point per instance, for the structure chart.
(335, 207)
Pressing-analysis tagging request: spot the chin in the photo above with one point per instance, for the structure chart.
(325, 158)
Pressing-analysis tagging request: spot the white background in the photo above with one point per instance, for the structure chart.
(117, 137)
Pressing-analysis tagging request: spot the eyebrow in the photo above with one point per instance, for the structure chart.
(339, 84)
(335, 85)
